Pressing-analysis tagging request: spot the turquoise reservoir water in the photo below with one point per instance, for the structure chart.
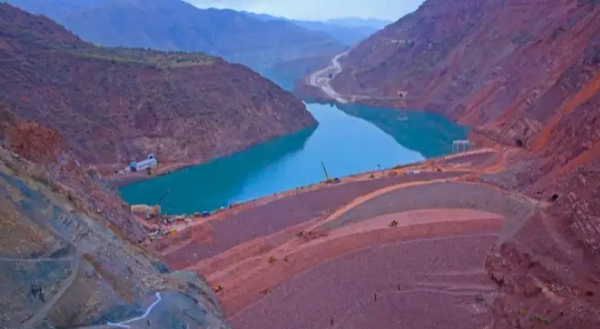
(349, 139)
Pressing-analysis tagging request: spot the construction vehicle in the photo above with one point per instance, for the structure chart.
(394, 223)
(153, 235)
(218, 288)
(155, 210)
(272, 259)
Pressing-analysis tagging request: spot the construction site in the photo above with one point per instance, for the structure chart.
(376, 249)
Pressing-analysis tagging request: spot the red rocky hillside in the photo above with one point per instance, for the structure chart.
(527, 74)
(112, 106)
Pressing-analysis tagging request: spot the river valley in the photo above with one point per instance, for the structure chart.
(349, 139)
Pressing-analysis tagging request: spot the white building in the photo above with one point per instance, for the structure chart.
(144, 164)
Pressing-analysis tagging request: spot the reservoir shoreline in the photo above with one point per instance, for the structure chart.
(349, 139)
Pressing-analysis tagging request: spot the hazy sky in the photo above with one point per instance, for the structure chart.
(319, 9)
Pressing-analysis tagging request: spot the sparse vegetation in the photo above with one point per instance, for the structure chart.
(144, 56)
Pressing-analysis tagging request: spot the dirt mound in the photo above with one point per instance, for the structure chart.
(308, 235)
(515, 209)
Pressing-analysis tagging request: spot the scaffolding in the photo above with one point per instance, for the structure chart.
(460, 146)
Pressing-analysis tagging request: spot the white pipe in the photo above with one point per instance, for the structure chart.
(148, 310)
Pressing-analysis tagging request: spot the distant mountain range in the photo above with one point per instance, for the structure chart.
(348, 31)
(176, 25)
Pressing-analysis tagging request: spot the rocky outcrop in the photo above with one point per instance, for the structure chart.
(525, 74)
(68, 253)
(116, 105)
(64, 262)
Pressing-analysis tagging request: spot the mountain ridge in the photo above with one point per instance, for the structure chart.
(349, 31)
(175, 25)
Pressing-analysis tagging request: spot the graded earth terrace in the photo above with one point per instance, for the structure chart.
(362, 249)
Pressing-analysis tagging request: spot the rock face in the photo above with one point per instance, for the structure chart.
(67, 253)
(523, 73)
(66, 264)
(116, 105)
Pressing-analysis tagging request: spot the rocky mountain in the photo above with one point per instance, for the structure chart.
(174, 25)
(113, 106)
(525, 74)
(348, 31)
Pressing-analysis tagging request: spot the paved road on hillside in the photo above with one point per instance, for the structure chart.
(320, 79)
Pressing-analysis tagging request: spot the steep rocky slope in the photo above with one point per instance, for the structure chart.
(116, 105)
(174, 25)
(524, 73)
(473, 60)
(68, 257)
(69, 247)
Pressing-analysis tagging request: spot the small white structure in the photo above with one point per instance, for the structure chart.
(144, 164)
(412, 172)
(460, 146)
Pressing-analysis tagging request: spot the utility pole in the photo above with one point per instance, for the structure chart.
(325, 170)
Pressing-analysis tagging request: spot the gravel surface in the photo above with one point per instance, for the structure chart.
(443, 195)
(476, 159)
(435, 283)
(282, 214)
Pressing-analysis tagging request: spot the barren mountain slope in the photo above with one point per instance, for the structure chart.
(117, 105)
